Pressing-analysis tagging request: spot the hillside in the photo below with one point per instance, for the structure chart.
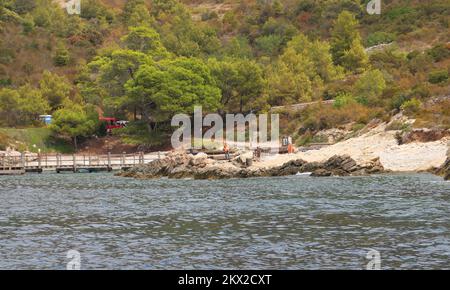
(25, 56)
(250, 55)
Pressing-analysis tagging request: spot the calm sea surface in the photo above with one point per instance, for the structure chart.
(294, 222)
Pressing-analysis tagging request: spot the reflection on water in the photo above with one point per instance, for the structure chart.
(268, 223)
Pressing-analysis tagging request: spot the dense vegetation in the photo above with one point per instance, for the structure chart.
(147, 60)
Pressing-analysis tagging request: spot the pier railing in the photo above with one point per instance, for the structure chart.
(75, 162)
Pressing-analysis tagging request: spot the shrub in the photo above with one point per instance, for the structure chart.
(418, 62)
(369, 87)
(412, 106)
(62, 56)
(4, 141)
(269, 45)
(28, 68)
(6, 55)
(28, 24)
(439, 52)
(209, 15)
(357, 127)
(422, 91)
(343, 100)
(23, 6)
(400, 13)
(413, 54)
(397, 101)
(435, 115)
(379, 37)
(324, 117)
(397, 126)
(5, 82)
(389, 58)
(438, 76)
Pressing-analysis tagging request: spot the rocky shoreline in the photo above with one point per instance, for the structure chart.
(444, 170)
(181, 165)
(373, 152)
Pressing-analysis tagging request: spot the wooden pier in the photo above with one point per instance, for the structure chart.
(38, 163)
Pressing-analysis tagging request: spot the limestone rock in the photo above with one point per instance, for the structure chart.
(444, 170)
(321, 173)
(181, 165)
(289, 168)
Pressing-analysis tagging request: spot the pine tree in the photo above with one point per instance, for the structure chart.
(346, 45)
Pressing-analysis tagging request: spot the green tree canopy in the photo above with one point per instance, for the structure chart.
(241, 82)
(73, 121)
(183, 37)
(136, 13)
(238, 47)
(146, 40)
(54, 89)
(23, 6)
(319, 54)
(31, 104)
(9, 104)
(171, 87)
(114, 69)
(22, 106)
(370, 87)
(62, 56)
(346, 43)
(300, 72)
(163, 6)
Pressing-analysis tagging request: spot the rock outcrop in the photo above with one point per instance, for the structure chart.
(182, 165)
(345, 166)
(423, 135)
(444, 170)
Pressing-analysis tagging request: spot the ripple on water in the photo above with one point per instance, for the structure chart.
(282, 223)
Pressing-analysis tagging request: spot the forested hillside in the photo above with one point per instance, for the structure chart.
(146, 60)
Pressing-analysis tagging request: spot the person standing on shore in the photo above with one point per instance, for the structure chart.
(258, 153)
(226, 150)
(290, 146)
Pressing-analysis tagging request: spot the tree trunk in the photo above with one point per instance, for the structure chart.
(241, 105)
(147, 121)
(75, 143)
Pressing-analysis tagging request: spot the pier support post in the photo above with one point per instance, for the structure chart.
(57, 163)
(39, 161)
(74, 163)
(123, 159)
(109, 160)
(22, 160)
